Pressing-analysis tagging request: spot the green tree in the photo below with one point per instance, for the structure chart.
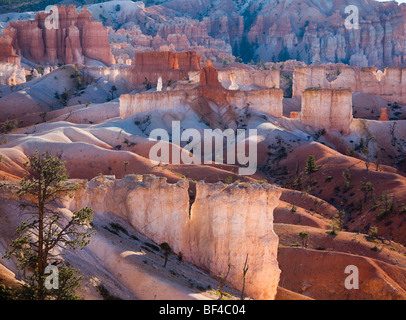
(10, 126)
(126, 163)
(247, 50)
(46, 230)
(366, 188)
(311, 165)
(113, 90)
(305, 238)
(283, 55)
(335, 226)
(340, 218)
(347, 179)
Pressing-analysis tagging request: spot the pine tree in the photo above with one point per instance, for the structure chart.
(47, 230)
(311, 165)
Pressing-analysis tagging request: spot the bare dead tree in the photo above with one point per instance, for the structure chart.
(222, 281)
(245, 270)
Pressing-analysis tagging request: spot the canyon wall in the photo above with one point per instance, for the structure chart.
(250, 78)
(170, 66)
(268, 101)
(77, 37)
(148, 101)
(306, 30)
(226, 223)
(389, 85)
(329, 109)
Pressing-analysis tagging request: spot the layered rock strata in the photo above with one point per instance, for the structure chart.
(76, 38)
(389, 85)
(210, 90)
(226, 223)
(329, 109)
(170, 66)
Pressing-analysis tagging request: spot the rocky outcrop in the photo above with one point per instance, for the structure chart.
(215, 233)
(247, 79)
(170, 66)
(268, 101)
(327, 109)
(7, 53)
(389, 85)
(209, 92)
(77, 38)
(11, 74)
(209, 76)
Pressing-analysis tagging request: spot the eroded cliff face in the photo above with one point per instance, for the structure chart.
(170, 66)
(225, 224)
(390, 84)
(76, 38)
(207, 94)
(268, 101)
(7, 53)
(230, 223)
(247, 79)
(306, 30)
(327, 109)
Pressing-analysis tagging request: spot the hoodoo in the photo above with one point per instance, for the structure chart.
(77, 37)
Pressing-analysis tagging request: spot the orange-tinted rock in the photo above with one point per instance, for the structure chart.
(170, 66)
(73, 52)
(294, 115)
(209, 76)
(95, 42)
(384, 115)
(189, 61)
(156, 61)
(7, 52)
(76, 38)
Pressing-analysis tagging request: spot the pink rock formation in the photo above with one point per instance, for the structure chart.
(7, 53)
(170, 66)
(209, 76)
(305, 30)
(76, 38)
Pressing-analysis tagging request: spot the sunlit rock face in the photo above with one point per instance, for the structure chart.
(224, 225)
(389, 85)
(229, 223)
(327, 109)
(208, 93)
